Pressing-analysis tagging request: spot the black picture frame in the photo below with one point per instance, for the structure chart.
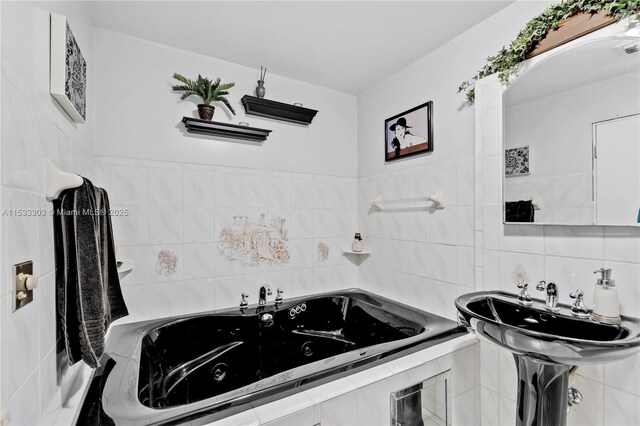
(397, 145)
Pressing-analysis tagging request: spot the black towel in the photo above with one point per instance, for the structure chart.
(519, 211)
(88, 290)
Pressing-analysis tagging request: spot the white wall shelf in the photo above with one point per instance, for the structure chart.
(277, 110)
(125, 266)
(366, 250)
(225, 130)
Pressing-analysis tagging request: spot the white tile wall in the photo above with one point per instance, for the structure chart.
(297, 407)
(338, 411)
(506, 411)
(489, 414)
(467, 374)
(33, 128)
(465, 410)
(621, 408)
(183, 211)
(564, 254)
(198, 188)
(303, 417)
(592, 413)
(422, 256)
(369, 411)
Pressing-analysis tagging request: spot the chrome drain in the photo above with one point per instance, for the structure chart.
(307, 349)
(219, 372)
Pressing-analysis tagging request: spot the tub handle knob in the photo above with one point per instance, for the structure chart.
(243, 302)
(278, 299)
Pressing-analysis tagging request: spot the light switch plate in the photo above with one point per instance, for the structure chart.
(17, 302)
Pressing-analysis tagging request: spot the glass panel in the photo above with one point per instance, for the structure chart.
(424, 404)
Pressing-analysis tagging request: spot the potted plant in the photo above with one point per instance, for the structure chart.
(207, 90)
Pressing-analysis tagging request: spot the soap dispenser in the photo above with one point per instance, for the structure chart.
(605, 296)
(357, 244)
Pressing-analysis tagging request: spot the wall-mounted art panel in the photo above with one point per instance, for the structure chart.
(255, 243)
(516, 161)
(68, 73)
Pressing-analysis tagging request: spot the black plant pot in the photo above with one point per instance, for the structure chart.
(205, 111)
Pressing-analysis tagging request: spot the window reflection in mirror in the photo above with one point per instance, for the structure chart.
(572, 137)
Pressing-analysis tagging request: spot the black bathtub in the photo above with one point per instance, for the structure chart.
(199, 368)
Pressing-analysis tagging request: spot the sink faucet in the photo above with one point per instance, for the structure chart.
(524, 297)
(551, 295)
(265, 291)
(579, 309)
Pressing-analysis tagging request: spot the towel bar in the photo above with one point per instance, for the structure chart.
(57, 180)
(435, 199)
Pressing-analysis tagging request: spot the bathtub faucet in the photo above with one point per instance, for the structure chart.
(265, 291)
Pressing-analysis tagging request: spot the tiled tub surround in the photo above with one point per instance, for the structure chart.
(420, 256)
(278, 374)
(364, 398)
(563, 254)
(206, 199)
(177, 211)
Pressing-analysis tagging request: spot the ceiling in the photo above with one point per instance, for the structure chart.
(346, 45)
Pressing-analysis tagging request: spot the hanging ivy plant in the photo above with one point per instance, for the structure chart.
(506, 61)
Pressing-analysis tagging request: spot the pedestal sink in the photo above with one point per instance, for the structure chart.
(545, 346)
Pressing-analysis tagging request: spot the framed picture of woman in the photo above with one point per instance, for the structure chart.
(409, 133)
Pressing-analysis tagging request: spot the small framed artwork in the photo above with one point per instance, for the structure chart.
(68, 72)
(409, 133)
(516, 161)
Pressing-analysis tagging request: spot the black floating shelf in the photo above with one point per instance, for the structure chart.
(277, 110)
(226, 130)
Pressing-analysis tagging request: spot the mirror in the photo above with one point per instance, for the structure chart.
(572, 137)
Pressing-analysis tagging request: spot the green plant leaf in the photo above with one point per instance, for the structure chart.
(204, 88)
(227, 104)
(506, 62)
(226, 86)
